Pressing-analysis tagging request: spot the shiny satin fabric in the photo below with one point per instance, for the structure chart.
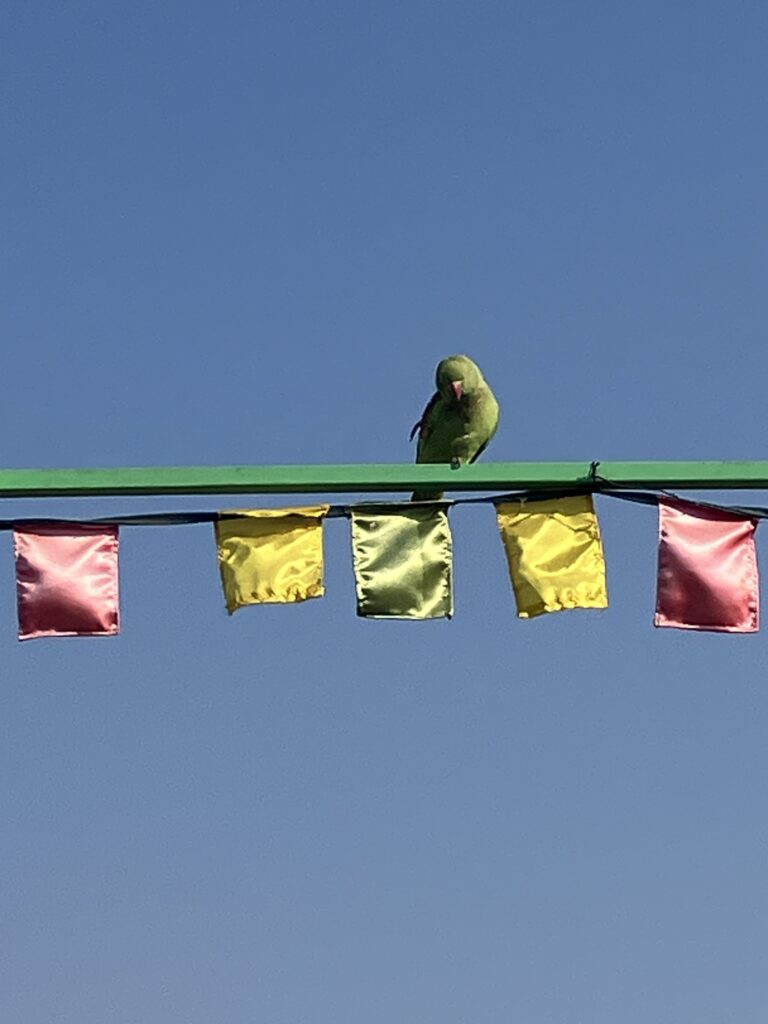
(403, 560)
(271, 556)
(707, 576)
(555, 554)
(66, 580)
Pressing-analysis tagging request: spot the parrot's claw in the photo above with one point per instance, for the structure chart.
(455, 462)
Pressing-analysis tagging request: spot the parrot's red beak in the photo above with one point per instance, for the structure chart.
(458, 389)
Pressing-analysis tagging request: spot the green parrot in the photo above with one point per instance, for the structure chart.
(460, 419)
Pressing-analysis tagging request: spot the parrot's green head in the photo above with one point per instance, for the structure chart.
(457, 376)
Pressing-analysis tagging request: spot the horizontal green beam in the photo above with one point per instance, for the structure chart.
(382, 478)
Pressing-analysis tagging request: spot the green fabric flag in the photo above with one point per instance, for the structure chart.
(403, 557)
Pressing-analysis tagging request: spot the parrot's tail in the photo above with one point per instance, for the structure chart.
(426, 496)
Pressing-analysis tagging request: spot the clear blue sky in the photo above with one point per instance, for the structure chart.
(246, 232)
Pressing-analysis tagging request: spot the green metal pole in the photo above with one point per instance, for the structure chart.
(381, 478)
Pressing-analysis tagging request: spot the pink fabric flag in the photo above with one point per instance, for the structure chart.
(66, 579)
(707, 569)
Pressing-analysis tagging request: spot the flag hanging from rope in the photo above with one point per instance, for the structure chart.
(707, 569)
(66, 579)
(403, 560)
(271, 555)
(555, 554)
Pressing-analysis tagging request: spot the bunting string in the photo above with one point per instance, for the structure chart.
(602, 488)
(402, 554)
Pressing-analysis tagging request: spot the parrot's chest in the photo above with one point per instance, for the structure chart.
(451, 421)
(460, 413)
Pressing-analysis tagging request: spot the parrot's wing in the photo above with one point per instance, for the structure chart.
(420, 426)
(486, 420)
(480, 450)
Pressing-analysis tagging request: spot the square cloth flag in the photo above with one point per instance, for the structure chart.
(555, 554)
(66, 580)
(403, 558)
(271, 556)
(707, 576)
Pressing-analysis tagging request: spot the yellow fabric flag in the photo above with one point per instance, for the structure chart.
(555, 554)
(271, 555)
(403, 559)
